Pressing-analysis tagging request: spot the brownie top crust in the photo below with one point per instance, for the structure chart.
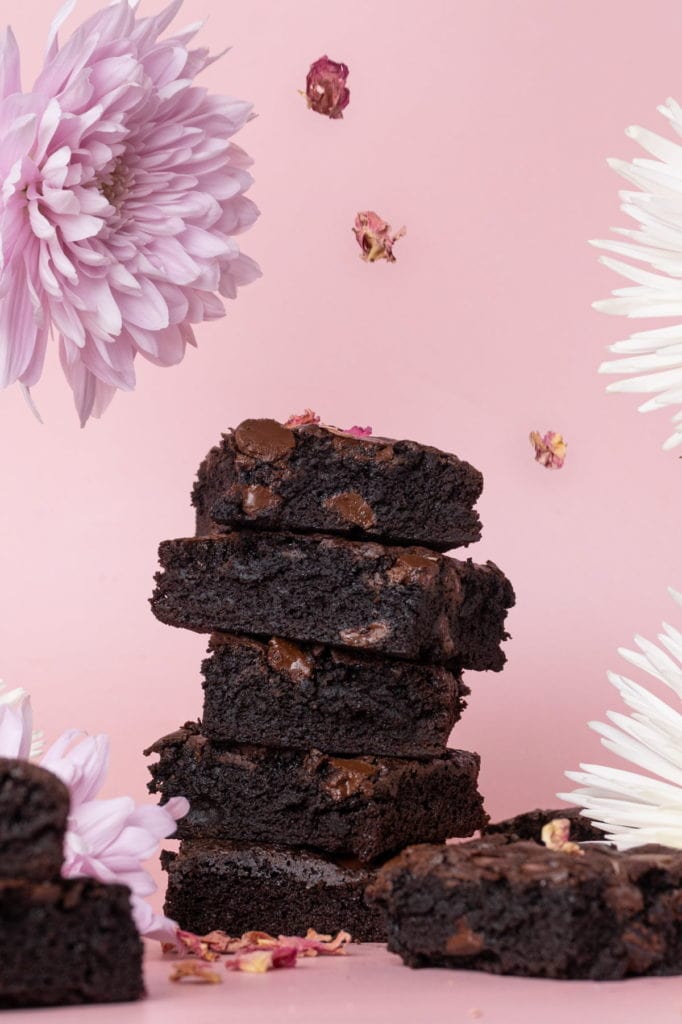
(317, 478)
(524, 864)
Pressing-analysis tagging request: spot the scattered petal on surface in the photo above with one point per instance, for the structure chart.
(262, 960)
(209, 947)
(191, 970)
(117, 234)
(360, 431)
(325, 87)
(375, 237)
(308, 416)
(550, 449)
(556, 836)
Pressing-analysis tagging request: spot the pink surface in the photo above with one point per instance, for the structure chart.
(483, 127)
(370, 985)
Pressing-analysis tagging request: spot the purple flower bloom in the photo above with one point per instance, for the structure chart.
(120, 196)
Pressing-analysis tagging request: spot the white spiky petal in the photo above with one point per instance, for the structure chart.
(632, 808)
(650, 361)
(14, 697)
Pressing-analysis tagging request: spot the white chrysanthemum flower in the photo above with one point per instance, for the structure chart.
(633, 808)
(650, 361)
(14, 698)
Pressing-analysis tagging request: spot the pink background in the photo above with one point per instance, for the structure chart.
(483, 126)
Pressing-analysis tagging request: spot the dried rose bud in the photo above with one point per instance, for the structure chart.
(550, 449)
(192, 970)
(555, 835)
(325, 87)
(360, 431)
(307, 416)
(375, 237)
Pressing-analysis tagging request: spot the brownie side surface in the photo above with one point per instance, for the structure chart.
(514, 907)
(237, 888)
(408, 603)
(34, 806)
(278, 693)
(67, 942)
(365, 807)
(312, 479)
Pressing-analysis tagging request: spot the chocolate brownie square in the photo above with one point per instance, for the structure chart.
(511, 907)
(34, 806)
(238, 888)
(314, 478)
(72, 941)
(408, 603)
(283, 694)
(364, 807)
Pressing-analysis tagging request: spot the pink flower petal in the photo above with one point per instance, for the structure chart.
(10, 74)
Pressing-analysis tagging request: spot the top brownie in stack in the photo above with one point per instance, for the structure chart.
(314, 478)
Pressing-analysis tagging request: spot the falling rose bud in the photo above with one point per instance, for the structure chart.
(375, 237)
(325, 87)
(550, 449)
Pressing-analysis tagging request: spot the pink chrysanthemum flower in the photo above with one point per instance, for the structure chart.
(105, 839)
(120, 194)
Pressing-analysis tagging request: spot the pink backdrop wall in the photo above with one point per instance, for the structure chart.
(483, 126)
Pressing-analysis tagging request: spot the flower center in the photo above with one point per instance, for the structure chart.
(115, 185)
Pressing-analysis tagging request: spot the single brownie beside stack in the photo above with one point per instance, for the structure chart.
(62, 941)
(339, 633)
(510, 906)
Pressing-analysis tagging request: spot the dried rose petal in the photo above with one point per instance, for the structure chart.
(190, 970)
(315, 944)
(360, 431)
(550, 449)
(188, 942)
(375, 237)
(218, 942)
(556, 836)
(308, 416)
(325, 87)
(261, 960)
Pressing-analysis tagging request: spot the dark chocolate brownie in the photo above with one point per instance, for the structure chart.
(518, 908)
(315, 479)
(72, 941)
(365, 807)
(282, 694)
(34, 806)
(405, 602)
(530, 824)
(239, 888)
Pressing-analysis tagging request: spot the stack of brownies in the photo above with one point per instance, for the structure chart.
(339, 634)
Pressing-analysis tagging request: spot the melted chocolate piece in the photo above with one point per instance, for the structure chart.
(349, 775)
(351, 507)
(257, 498)
(288, 659)
(265, 440)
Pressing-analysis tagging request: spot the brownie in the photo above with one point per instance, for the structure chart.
(404, 602)
(518, 908)
(34, 806)
(530, 824)
(72, 941)
(313, 478)
(239, 888)
(365, 807)
(283, 694)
